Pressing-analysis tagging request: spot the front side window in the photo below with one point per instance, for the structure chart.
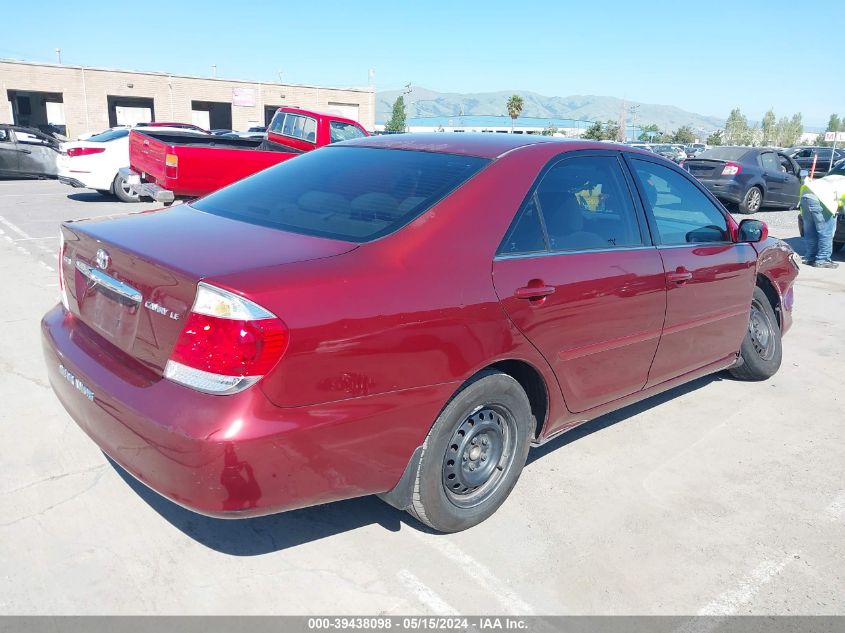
(341, 131)
(4, 136)
(355, 194)
(682, 213)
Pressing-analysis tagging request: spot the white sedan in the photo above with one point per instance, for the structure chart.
(94, 163)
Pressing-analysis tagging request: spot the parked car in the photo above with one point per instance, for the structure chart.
(750, 177)
(669, 151)
(806, 155)
(642, 146)
(166, 165)
(27, 153)
(402, 315)
(838, 173)
(694, 149)
(190, 127)
(95, 162)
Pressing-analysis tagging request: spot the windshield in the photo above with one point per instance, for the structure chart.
(108, 135)
(355, 194)
(724, 153)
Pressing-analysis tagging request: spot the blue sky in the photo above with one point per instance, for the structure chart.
(706, 57)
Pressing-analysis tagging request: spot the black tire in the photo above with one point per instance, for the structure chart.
(752, 201)
(761, 351)
(122, 190)
(478, 447)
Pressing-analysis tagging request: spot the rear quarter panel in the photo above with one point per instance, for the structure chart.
(413, 309)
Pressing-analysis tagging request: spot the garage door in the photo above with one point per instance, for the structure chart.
(346, 110)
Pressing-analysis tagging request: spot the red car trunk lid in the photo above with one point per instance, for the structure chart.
(133, 279)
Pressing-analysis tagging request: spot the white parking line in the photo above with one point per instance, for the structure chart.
(425, 594)
(479, 572)
(729, 602)
(23, 234)
(836, 510)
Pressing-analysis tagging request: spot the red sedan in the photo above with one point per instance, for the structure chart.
(403, 316)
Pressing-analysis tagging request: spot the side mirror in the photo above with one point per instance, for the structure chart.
(803, 173)
(752, 231)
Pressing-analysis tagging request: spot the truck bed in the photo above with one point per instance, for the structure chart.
(192, 165)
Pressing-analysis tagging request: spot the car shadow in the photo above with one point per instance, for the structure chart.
(90, 196)
(797, 244)
(277, 532)
(621, 415)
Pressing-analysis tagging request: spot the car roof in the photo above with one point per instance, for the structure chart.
(482, 145)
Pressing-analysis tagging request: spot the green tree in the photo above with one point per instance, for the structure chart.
(646, 132)
(397, 119)
(515, 105)
(715, 138)
(683, 134)
(550, 130)
(793, 131)
(834, 124)
(594, 132)
(610, 131)
(737, 131)
(769, 124)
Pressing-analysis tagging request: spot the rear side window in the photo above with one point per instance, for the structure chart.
(355, 194)
(4, 136)
(583, 203)
(682, 213)
(770, 162)
(108, 135)
(295, 125)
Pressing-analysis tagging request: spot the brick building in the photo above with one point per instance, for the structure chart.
(85, 99)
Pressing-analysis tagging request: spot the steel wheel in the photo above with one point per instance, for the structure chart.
(761, 331)
(479, 455)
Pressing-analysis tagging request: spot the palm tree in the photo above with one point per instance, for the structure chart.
(515, 105)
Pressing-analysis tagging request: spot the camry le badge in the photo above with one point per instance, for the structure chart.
(102, 258)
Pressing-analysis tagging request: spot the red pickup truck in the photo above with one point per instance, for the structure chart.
(167, 165)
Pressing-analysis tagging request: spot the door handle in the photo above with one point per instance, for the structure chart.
(533, 292)
(680, 276)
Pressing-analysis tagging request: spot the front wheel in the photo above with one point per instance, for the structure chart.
(123, 191)
(761, 350)
(751, 201)
(473, 454)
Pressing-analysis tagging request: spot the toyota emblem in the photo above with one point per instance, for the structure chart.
(102, 258)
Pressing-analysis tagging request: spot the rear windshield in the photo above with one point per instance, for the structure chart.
(108, 135)
(355, 194)
(724, 153)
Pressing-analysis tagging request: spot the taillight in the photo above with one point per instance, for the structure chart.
(62, 290)
(171, 164)
(228, 343)
(731, 169)
(85, 151)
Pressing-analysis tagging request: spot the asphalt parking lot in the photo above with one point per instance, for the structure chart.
(719, 497)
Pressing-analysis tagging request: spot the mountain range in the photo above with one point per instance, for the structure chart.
(422, 102)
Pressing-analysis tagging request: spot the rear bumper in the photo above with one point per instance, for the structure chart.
(146, 189)
(73, 182)
(728, 190)
(232, 456)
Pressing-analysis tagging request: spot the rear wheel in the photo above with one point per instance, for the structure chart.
(761, 350)
(751, 201)
(122, 190)
(473, 454)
